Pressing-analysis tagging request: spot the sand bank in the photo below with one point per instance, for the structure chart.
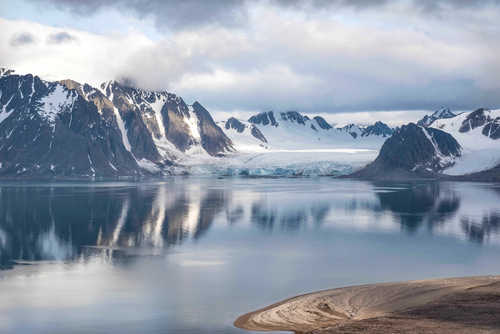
(452, 305)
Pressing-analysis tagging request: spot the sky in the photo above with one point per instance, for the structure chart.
(357, 60)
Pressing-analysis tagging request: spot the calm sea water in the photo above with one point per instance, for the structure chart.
(190, 255)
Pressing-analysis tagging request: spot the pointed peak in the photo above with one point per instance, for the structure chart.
(5, 71)
(70, 84)
(444, 112)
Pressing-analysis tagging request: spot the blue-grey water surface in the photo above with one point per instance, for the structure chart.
(188, 255)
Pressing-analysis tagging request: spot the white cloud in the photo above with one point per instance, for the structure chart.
(324, 61)
(90, 58)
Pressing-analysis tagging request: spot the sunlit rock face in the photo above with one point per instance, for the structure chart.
(69, 129)
(48, 129)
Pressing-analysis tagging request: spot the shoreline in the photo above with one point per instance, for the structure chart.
(448, 305)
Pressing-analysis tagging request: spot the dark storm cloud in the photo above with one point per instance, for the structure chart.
(166, 13)
(179, 14)
(22, 38)
(440, 5)
(60, 37)
(373, 55)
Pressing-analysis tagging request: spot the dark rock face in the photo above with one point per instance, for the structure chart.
(264, 118)
(480, 118)
(257, 134)
(475, 119)
(55, 131)
(213, 140)
(378, 129)
(492, 129)
(438, 114)
(294, 116)
(65, 129)
(233, 123)
(413, 150)
(322, 123)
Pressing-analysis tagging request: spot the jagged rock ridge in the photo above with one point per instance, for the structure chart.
(442, 113)
(68, 129)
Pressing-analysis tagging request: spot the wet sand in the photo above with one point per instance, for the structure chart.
(452, 305)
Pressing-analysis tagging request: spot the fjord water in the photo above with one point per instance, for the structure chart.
(189, 255)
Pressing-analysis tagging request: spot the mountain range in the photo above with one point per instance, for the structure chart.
(67, 129)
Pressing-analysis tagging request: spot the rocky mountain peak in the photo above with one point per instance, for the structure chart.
(294, 117)
(5, 71)
(442, 113)
(322, 123)
(64, 128)
(414, 149)
(378, 129)
(264, 118)
(354, 130)
(233, 123)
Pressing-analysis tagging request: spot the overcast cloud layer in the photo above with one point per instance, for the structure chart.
(313, 56)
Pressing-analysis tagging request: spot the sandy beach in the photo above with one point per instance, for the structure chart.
(451, 305)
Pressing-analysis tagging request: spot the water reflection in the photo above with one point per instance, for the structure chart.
(422, 204)
(66, 222)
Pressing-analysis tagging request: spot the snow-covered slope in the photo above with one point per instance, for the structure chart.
(289, 143)
(478, 132)
(291, 131)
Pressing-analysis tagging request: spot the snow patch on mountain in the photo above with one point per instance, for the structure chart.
(246, 137)
(5, 112)
(57, 101)
(193, 124)
(480, 151)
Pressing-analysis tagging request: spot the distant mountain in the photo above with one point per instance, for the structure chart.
(377, 129)
(354, 130)
(465, 146)
(245, 128)
(292, 130)
(68, 129)
(478, 132)
(413, 151)
(442, 113)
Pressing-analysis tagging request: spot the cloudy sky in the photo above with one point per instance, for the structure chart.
(359, 59)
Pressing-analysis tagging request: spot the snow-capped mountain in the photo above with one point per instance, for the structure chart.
(442, 113)
(413, 150)
(465, 145)
(293, 131)
(378, 129)
(68, 129)
(173, 125)
(246, 134)
(478, 132)
(354, 130)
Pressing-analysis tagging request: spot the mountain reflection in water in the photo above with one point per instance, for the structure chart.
(69, 221)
